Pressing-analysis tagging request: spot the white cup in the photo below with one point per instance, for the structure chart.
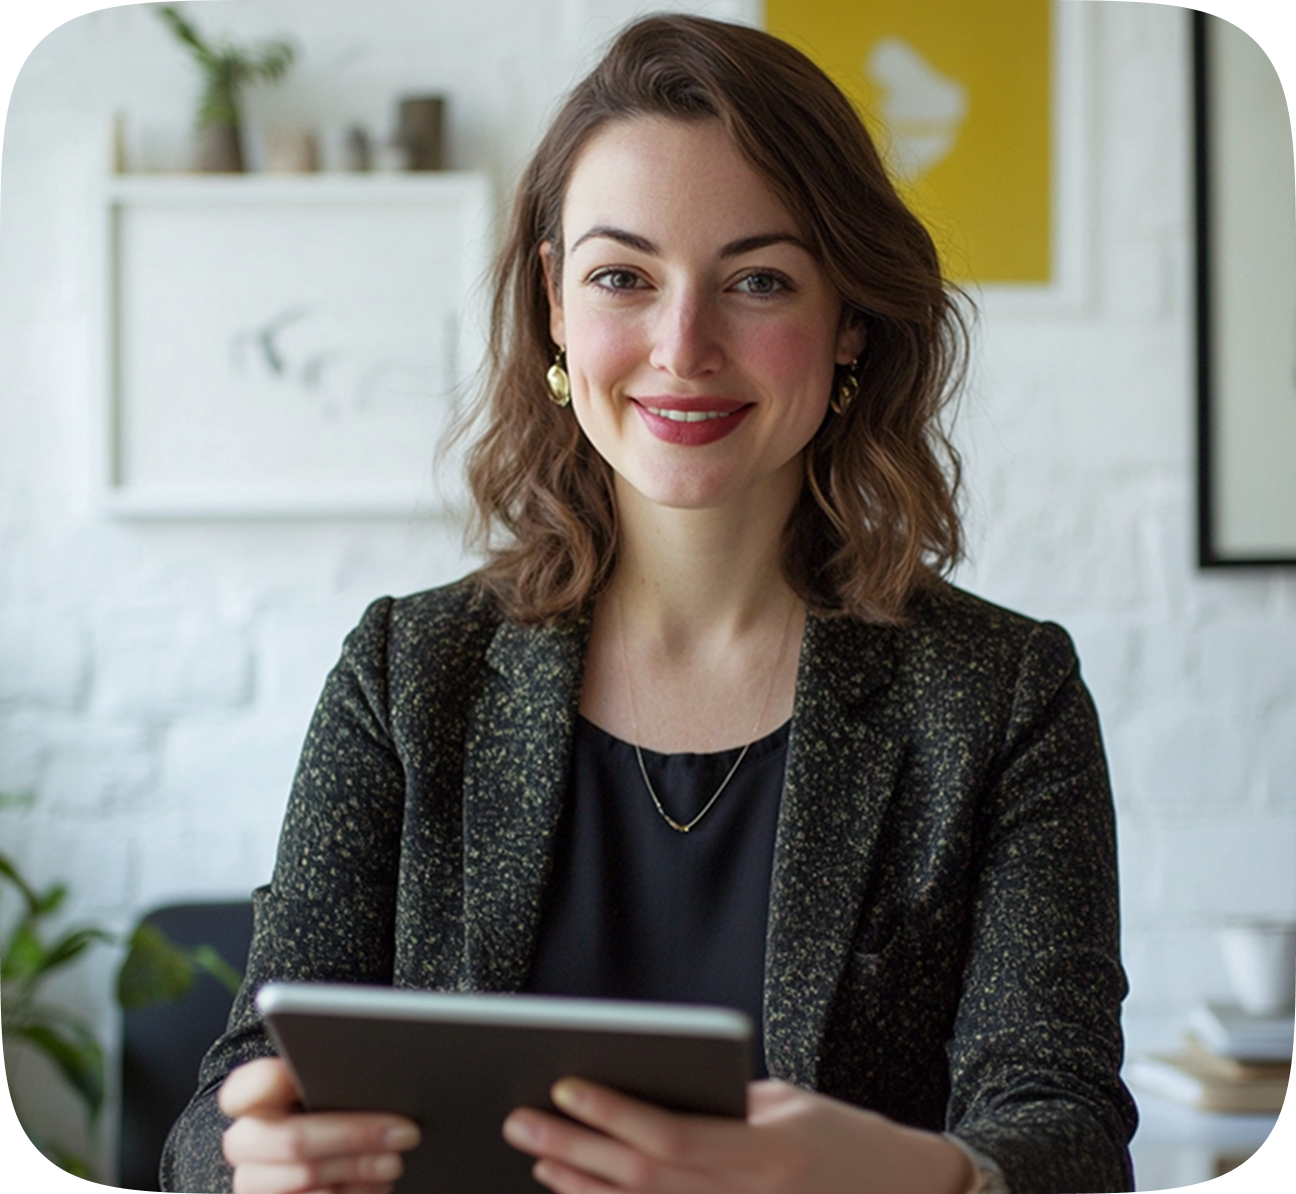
(1261, 959)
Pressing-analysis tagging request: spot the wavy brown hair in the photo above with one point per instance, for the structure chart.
(877, 517)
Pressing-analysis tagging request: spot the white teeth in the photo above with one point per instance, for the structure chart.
(689, 416)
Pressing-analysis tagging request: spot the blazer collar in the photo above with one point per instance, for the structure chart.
(839, 776)
(841, 764)
(519, 742)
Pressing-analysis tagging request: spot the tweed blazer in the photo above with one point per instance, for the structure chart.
(943, 925)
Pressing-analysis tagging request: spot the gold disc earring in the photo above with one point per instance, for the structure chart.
(557, 379)
(846, 389)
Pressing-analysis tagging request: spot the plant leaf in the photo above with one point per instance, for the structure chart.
(276, 57)
(10, 871)
(68, 1161)
(188, 34)
(206, 958)
(71, 946)
(24, 956)
(64, 1158)
(50, 900)
(74, 1051)
(155, 970)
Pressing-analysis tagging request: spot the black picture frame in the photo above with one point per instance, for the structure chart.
(1214, 546)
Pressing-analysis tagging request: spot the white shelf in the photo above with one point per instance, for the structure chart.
(330, 187)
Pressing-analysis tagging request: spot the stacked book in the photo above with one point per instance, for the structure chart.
(1230, 1061)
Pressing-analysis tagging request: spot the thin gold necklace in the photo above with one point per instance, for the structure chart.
(742, 754)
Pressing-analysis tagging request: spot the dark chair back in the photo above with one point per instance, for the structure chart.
(162, 1046)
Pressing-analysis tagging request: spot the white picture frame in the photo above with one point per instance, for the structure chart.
(287, 346)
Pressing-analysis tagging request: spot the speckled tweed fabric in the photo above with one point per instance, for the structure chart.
(943, 937)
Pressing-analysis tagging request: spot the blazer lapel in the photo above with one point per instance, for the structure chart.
(515, 774)
(841, 767)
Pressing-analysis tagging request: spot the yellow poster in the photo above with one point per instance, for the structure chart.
(957, 92)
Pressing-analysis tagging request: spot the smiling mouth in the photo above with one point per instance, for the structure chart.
(691, 422)
(688, 416)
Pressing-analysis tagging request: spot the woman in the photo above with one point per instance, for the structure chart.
(707, 725)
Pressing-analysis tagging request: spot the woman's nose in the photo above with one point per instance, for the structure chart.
(686, 339)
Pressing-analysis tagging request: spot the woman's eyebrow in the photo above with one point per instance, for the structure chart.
(751, 244)
(735, 248)
(631, 240)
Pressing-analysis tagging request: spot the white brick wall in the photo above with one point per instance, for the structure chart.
(155, 680)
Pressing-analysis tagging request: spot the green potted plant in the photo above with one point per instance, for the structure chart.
(155, 970)
(226, 68)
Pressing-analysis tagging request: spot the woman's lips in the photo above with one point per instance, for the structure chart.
(691, 421)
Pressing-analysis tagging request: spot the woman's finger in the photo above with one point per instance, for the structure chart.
(369, 1174)
(563, 1179)
(316, 1137)
(550, 1138)
(621, 1143)
(258, 1087)
(668, 1136)
(769, 1099)
(576, 1160)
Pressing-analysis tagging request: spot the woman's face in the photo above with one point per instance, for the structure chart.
(701, 333)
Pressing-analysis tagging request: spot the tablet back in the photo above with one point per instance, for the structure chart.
(458, 1064)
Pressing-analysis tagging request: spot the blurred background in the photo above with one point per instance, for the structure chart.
(168, 612)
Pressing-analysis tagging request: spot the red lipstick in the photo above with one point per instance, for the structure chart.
(691, 422)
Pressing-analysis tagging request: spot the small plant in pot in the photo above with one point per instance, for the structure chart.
(226, 68)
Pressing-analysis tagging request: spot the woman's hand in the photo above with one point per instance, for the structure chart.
(793, 1142)
(275, 1148)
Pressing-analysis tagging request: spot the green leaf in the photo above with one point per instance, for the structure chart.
(205, 958)
(69, 1161)
(24, 956)
(276, 57)
(60, 1157)
(72, 946)
(226, 69)
(74, 1051)
(10, 872)
(156, 970)
(50, 901)
(186, 33)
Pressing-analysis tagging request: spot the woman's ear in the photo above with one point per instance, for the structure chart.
(553, 290)
(850, 337)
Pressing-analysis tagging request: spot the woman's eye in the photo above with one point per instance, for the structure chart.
(762, 284)
(616, 279)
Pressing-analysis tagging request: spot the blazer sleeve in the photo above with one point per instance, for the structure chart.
(328, 912)
(1037, 1046)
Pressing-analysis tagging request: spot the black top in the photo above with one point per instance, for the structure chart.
(638, 910)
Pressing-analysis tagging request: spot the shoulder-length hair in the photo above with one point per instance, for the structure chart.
(877, 516)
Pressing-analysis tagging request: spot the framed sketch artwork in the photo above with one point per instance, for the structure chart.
(1246, 303)
(283, 346)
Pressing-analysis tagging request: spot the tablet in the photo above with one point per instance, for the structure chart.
(457, 1064)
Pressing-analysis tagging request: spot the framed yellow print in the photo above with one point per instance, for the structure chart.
(964, 99)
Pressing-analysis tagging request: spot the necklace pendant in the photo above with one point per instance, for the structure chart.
(742, 754)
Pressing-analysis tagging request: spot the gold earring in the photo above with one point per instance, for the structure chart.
(559, 382)
(846, 389)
